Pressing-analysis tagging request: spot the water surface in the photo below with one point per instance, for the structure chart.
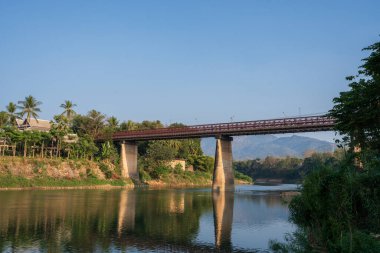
(143, 220)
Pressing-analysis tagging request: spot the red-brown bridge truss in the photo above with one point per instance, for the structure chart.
(257, 127)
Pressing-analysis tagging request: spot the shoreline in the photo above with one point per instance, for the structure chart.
(18, 173)
(89, 187)
(156, 185)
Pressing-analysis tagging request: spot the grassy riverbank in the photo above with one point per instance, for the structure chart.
(41, 182)
(19, 173)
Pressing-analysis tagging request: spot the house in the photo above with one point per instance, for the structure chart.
(33, 124)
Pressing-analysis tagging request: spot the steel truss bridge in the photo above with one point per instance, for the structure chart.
(257, 127)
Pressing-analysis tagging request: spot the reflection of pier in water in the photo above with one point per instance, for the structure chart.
(223, 203)
(88, 221)
(127, 211)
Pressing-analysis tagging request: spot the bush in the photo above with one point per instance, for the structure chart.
(241, 176)
(106, 170)
(144, 176)
(338, 209)
(160, 172)
(201, 162)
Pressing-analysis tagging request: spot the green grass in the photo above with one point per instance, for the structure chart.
(179, 177)
(7, 181)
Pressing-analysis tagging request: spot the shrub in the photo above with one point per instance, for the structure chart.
(337, 210)
(106, 170)
(241, 176)
(160, 172)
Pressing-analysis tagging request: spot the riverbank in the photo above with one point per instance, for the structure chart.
(17, 173)
(31, 173)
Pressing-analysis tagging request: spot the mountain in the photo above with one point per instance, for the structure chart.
(260, 146)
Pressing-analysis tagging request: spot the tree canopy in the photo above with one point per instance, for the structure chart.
(357, 111)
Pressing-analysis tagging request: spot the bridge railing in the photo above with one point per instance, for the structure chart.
(314, 122)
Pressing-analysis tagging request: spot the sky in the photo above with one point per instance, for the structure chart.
(194, 62)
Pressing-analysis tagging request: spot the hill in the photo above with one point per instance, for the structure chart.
(261, 146)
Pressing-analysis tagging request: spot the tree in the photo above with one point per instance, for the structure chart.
(3, 118)
(159, 152)
(128, 126)
(68, 109)
(29, 107)
(11, 110)
(338, 209)
(113, 123)
(92, 124)
(357, 111)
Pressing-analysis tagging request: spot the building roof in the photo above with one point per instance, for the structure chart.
(33, 124)
(19, 122)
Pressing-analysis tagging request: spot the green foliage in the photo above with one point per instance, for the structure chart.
(189, 147)
(29, 107)
(11, 111)
(106, 170)
(68, 109)
(3, 119)
(201, 163)
(159, 152)
(357, 111)
(160, 172)
(85, 147)
(16, 181)
(243, 177)
(144, 175)
(178, 169)
(290, 169)
(339, 208)
(86, 128)
(91, 124)
(109, 152)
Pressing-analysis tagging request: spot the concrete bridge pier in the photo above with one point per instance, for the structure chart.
(129, 160)
(223, 179)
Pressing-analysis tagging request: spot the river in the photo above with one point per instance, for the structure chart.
(143, 220)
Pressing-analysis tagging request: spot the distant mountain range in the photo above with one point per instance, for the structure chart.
(261, 146)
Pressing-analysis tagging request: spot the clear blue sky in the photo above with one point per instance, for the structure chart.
(183, 61)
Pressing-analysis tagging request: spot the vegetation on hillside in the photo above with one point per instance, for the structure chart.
(288, 169)
(338, 209)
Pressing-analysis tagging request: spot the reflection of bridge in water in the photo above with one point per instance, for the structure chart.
(223, 203)
(126, 218)
(89, 221)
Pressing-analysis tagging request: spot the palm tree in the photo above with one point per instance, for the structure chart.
(11, 109)
(29, 107)
(96, 122)
(3, 118)
(68, 106)
(113, 123)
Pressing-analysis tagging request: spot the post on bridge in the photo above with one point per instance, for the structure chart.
(223, 172)
(129, 160)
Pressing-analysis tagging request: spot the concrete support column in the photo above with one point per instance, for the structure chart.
(223, 172)
(129, 160)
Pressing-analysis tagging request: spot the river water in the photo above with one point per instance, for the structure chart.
(143, 220)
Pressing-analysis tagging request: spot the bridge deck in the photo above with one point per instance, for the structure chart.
(273, 126)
